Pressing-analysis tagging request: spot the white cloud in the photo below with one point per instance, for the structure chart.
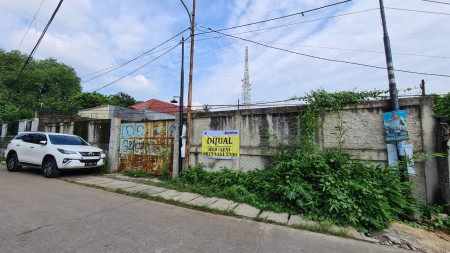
(93, 35)
(279, 75)
(138, 83)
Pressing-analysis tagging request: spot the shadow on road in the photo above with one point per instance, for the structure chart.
(30, 170)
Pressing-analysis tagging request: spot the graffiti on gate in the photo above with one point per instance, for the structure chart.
(147, 145)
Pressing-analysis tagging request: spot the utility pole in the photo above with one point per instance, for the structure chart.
(180, 126)
(422, 87)
(392, 86)
(246, 86)
(191, 69)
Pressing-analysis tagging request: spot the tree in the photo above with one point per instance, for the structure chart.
(122, 99)
(45, 84)
(442, 106)
(86, 100)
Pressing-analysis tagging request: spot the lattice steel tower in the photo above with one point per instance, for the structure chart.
(246, 86)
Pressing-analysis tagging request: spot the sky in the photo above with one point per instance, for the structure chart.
(93, 36)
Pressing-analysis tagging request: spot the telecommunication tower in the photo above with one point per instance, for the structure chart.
(246, 86)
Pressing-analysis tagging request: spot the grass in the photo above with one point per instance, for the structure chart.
(137, 173)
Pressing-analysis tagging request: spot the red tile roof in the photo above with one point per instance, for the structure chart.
(159, 106)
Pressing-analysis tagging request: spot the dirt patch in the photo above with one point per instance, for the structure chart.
(420, 238)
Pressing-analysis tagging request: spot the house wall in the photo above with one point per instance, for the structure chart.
(364, 137)
(94, 131)
(125, 114)
(99, 112)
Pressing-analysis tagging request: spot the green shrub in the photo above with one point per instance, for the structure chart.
(324, 186)
(442, 107)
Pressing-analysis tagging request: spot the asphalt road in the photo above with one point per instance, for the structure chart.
(50, 215)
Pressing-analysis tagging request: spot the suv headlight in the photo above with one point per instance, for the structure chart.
(66, 152)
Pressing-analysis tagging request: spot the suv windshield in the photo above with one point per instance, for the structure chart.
(66, 140)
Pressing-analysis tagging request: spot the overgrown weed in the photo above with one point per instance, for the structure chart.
(321, 185)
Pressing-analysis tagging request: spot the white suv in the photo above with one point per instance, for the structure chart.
(52, 152)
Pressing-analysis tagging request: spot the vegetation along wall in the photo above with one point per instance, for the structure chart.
(360, 126)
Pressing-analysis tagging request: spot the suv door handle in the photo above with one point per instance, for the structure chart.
(31, 147)
(17, 145)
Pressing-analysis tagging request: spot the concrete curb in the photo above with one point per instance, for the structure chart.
(240, 209)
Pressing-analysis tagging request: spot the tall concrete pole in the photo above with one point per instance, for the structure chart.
(390, 65)
(180, 126)
(191, 69)
(392, 85)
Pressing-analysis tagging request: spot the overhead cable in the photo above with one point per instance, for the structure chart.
(437, 2)
(31, 23)
(285, 16)
(39, 41)
(355, 50)
(135, 58)
(326, 59)
(138, 68)
(429, 12)
(289, 24)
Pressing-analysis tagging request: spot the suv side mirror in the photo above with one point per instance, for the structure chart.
(43, 142)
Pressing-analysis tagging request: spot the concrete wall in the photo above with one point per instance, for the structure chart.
(446, 185)
(125, 114)
(364, 139)
(9, 131)
(94, 131)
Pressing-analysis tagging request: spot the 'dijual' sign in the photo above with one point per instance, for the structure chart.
(220, 144)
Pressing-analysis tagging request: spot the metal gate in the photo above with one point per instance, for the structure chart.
(147, 146)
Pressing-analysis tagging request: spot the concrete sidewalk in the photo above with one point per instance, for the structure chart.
(241, 209)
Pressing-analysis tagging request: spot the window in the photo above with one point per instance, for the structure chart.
(26, 137)
(66, 140)
(20, 136)
(34, 138)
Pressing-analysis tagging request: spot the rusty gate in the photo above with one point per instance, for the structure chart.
(147, 146)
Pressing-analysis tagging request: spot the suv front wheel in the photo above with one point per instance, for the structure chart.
(49, 168)
(12, 163)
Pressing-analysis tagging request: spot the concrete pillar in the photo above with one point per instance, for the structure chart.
(430, 141)
(61, 128)
(34, 124)
(4, 129)
(70, 127)
(91, 132)
(447, 185)
(114, 145)
(237, 126)
(22, 125)
(176, 146)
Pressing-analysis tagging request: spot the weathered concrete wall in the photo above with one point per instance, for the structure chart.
(94, 131)
(364, 137)
(446, 183)
(99, 112)
(125, 114)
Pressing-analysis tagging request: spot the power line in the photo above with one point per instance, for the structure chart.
(355, 50)
(286, 16)
(429, 12)
(31, 23)
(118, 65)
(39, 41)
(288, 24)
(137, 68)
(135, 58)
(326, 59)
(437, 2)
(333, 48)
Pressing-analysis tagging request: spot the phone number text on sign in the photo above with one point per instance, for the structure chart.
(220, 144)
